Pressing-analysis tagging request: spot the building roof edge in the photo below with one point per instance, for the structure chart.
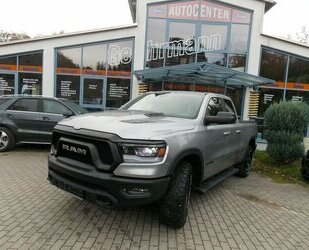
(285, 40)
(77, 33)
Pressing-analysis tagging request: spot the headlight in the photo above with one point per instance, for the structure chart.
(142, 153)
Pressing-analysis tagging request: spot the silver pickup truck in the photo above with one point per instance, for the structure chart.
(153, 149)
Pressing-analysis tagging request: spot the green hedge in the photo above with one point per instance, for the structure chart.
(285, 125)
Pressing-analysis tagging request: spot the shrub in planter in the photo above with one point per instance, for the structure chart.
(285, 125)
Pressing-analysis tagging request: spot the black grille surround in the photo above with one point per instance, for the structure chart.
(96, 149)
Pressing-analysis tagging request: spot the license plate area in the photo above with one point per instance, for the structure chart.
(78, 193)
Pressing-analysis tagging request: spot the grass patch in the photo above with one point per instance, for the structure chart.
(266, 166)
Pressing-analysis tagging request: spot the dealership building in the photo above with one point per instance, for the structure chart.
(202, 45)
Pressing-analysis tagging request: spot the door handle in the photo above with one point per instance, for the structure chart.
(9, 115)
(45, 118)
(226, 133)
(238, 131)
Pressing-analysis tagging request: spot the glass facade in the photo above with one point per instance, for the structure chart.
(183, 32)
(194, 31)
(96, 75)
(291, 74)
(21, 74)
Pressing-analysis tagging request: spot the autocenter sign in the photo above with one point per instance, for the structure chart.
(194, 10)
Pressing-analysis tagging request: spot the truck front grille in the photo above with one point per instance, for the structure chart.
(92, 151)
(74, 151)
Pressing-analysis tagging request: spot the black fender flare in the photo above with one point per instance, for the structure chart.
(182, 155)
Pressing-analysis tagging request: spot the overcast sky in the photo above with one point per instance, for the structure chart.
(287, 17)
(45, 17)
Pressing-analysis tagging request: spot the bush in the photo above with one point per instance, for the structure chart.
(285, 125)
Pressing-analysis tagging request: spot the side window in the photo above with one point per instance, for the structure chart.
(25, 104)
(214, 106)
(54, 107)
(229, 106)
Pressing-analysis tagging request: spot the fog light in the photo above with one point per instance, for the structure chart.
(136, 190)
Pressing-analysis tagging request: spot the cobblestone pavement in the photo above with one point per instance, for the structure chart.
(251, 213)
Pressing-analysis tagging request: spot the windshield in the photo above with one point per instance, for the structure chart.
(75, 107)
(182, 105)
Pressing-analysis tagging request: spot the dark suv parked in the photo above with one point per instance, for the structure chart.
(30, 119)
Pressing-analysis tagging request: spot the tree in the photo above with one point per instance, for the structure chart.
(6, 36)
(303, 35)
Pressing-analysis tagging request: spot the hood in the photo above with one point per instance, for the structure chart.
(129, 124)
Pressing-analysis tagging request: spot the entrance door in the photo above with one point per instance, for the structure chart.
(93, 92)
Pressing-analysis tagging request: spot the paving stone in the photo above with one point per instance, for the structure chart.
(250, 213)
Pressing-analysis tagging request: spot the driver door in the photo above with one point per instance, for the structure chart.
(219, 139)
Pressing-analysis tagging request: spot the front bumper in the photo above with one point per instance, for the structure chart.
(105, 189)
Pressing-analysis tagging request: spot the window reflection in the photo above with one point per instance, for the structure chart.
(189, 37)
(28, 69)
(214, 37)
(31, 62)
(181, 44)
(8, 63)
(120, 58)
(239, 38)
(213, 58)
(155, 43)
(273, 66)
(237, 62)
(94, 59)
(298, 75)
(31, 59)
(111, 61)
(69, 61)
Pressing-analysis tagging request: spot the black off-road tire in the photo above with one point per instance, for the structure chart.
(174, 207)
(245, 167)
(7, 139)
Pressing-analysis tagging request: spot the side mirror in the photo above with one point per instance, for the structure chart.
(68, 114)
(221, 118)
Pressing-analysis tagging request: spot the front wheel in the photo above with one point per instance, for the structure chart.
(245, 167)
(7, 140)
(174, 207)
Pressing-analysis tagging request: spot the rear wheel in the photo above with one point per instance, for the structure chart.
(7, 140)
(174, 208)
(245, 167)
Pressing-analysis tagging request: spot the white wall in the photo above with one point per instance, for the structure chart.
(285, 45)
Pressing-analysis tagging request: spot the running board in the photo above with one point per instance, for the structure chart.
(208, 184)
